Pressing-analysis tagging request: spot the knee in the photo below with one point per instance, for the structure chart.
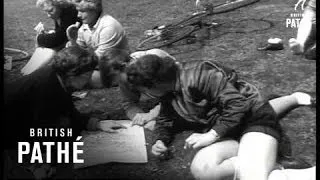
(203, 169)
(95, 81)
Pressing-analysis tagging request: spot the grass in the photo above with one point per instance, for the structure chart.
(277, 72)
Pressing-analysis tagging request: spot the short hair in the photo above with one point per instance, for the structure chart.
(95, 5)
(150, 70)
(111, 64)
(58, 3)
(73, 61)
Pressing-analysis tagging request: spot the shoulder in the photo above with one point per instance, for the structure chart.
(160, 53)
(196, 72)
(107, 20)
(200, 65)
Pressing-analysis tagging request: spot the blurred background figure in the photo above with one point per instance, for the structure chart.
(100, 32)
(305, 42)
(63, 13)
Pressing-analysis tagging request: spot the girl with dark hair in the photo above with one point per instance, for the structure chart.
(63, 14)
(237, 131)
(48, 42)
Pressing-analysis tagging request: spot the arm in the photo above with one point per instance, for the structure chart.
(110, 37)
(59, 37)
(80, 39)
(131, 97)
(163, 130)
(216, 87)
(233, 106)
(52, 40)
(158, 52)
(164, 123)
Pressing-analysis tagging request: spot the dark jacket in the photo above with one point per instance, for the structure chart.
(59, 37)
(38, 101)
(206, 93)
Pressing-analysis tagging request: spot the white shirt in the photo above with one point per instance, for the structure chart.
(105, 35)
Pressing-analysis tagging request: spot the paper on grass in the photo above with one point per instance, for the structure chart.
(127, 146)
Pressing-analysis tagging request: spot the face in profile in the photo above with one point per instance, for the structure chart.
(88, 16)
(157, 91)
(52, 11)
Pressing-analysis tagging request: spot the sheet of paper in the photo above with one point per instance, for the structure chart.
(127, 146)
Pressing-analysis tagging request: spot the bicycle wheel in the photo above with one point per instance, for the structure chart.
(229, 6)
(167, 37)
(16, 54)
(191, 20)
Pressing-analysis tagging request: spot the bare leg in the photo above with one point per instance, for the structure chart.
(284, 104)
(297, 45)
(256, 156)
(39, 58)
(95, 81)
(213, 162)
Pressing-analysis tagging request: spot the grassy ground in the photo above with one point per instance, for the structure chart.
(272, 72)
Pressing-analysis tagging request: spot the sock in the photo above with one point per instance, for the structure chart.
(302, 98)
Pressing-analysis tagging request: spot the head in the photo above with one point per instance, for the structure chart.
(153, 74)
(112, 64)
(75, 66)
(88, 10)
(53, 7)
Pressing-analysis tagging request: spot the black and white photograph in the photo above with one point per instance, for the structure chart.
(159, 89)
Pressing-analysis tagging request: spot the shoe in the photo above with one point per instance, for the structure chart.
(313, 96)
(272, 47)
(289, 162)
(313, 102)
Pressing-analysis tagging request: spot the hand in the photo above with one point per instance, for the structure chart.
(72, 31)
(39, 28)
(142, 118)
(71, 43)
(198, 140)
(138, 54)
(159, 148)
(110, 126)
